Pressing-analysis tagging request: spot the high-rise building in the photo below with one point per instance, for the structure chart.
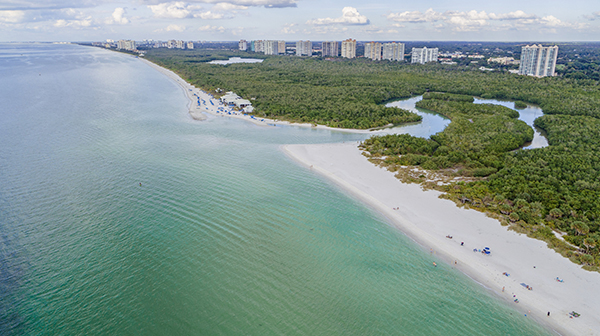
(190, 45)
(126, 44)
(271, 47)
(179, 44)
(349, 48)
(538, 61)
(329, 48)
(393, 51)
(303, 48)
(424, 55)
(373, 51)
(258, 46)
(280, 47)
(243, 45)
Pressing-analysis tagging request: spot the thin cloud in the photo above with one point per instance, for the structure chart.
(49, 5)
(172, 28)
(224, 7)
(118, 17)
(212, 29)
(350, 16)
(173, 10)
(246, 3)
(209, 16)
(289, 28)
(76, 24)
(416, 16)
(474, 20)
(12, 16)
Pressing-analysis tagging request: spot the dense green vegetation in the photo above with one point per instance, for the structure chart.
(519, 104)
(472, 144)
(448, 97)
(536, 191)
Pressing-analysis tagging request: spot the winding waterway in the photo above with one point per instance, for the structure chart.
(433, 123)
(121, 215)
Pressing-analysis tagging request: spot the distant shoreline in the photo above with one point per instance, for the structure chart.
(428, 220)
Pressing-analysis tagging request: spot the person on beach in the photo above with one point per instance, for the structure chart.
(462, 243)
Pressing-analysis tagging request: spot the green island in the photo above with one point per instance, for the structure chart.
(549, 193)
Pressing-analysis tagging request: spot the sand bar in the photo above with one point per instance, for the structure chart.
(428, 220)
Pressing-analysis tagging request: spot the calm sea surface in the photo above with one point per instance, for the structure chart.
(224, 236)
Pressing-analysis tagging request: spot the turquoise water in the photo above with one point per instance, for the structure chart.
(224, 236)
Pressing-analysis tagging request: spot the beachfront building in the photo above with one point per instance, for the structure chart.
(303, 48)
(126, 45)
(373, 51)
(393, 51)
(424, 55)
(538, 61)
(349, 48)
(329, 48)
(243, 45)
(190, 45)
(271, 47)
(230, 98)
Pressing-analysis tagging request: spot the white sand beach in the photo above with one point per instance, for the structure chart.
(428, 220)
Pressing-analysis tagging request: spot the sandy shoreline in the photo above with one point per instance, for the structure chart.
(428, 220)
(198, 111)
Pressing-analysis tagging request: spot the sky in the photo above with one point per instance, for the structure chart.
(292, 20)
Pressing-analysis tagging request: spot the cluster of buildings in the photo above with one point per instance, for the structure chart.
(267, 47)
(536, 60)
(503, 60)
(374, 50)
(232, 99)
(384, 51)
(131, 45)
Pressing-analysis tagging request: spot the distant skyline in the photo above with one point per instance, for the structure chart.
(229, 20)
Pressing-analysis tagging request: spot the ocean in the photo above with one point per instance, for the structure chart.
(121, 215)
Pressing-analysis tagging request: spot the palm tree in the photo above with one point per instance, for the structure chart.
(589, 243)
(580, 228)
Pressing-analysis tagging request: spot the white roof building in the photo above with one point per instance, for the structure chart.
(241, 103)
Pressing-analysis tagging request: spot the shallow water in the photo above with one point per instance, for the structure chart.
(119, 214)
